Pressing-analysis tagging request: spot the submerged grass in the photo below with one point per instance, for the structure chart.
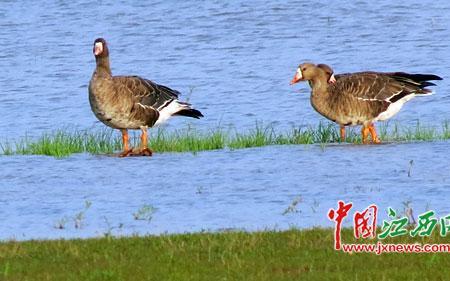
(266, 255)
(65, 142)
(62, 143)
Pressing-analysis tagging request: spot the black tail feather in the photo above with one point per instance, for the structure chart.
(420, 80)
(194, 113)
(417, 77)
(426, 84)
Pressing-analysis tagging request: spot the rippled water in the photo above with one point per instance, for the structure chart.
(238, 57)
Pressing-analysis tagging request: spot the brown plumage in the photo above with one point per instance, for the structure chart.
(131, 102)
(361, 98)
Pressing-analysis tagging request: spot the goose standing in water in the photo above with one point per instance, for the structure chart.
(361, 98)
(131, 102)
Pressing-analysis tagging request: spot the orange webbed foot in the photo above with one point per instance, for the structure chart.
(342, 133)
(145, 152)
(373, 134)
(365, 134)
(126, 153)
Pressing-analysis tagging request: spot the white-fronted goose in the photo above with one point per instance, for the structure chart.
(131, 102)
(361, 98)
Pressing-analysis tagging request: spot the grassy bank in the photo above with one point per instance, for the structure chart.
(269, 255)
(65, 142)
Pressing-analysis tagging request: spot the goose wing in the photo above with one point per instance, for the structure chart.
(372, 86)
(145, 92)
(145, 98)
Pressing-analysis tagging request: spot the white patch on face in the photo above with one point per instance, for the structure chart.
(332, 79)
(299, 74)
(98, 48)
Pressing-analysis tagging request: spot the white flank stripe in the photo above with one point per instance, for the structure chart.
(169, 110)
(164, 104)
(429, 94)
(394, 108)
(368, 99)
(391, 111)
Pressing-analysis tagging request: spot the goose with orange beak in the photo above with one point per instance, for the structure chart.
(361, 98)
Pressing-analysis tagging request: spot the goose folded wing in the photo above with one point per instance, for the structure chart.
(377, 87)
(145, 92)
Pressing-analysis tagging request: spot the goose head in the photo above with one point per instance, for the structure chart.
(100, 48)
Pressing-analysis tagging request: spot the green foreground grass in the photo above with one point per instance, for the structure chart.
(65, 142)
(267, 255)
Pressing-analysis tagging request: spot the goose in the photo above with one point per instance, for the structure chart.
(361, 98)
(131, 102)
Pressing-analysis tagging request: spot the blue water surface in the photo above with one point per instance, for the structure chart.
(233, 60)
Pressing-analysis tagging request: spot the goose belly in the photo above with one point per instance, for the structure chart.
(349, 113)
(113, 116)
(332, 112)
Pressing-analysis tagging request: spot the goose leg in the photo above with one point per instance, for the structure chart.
(127, 151)
(342, 132)
(145, 151)
(365, 133)
(373, 134)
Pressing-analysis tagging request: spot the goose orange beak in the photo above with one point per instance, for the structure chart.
(297, 77)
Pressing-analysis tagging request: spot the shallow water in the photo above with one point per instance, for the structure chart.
(239, 58)
(248, 188)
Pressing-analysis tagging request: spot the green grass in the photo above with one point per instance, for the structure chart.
(267, 255)
(65, 142)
